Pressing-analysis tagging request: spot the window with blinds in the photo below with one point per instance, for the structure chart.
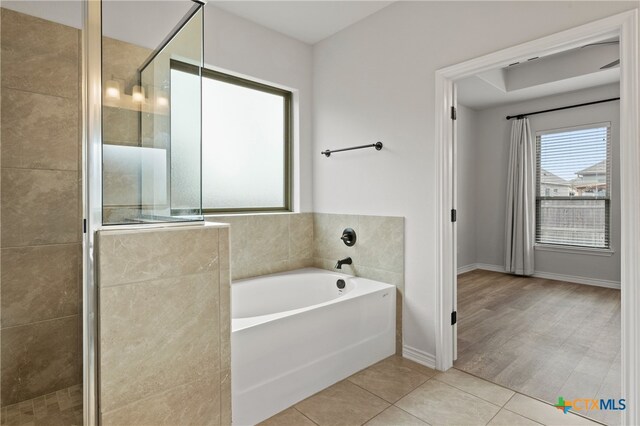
(573, 168)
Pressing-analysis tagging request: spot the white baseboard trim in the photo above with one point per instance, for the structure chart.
(483, 266)
(468, 268)
(419, 356)
(490, 267)
(545, 275)
(578, 280)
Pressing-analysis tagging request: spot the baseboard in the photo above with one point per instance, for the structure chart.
(468, 268)
(483, 266)
(545, 275)
(490, 267)
(419, 356)
(578, 280)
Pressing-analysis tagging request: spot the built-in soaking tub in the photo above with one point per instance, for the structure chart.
(295, 333)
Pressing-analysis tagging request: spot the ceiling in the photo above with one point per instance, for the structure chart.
(63, 12)
(142, 22)
(564, 72)
(307, 21)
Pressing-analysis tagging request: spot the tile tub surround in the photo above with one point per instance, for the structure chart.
(164, 325)
(397, 391)
(268, 243)
(40, 256)
(378, 253)
(264, 244)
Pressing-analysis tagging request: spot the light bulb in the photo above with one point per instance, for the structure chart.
(161, 99)
(112, 89)
(138, 94)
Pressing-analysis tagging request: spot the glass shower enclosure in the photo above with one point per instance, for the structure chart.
(141, 153)
(152, 125)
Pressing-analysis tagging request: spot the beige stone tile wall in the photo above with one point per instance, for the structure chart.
(269, 243)
(40, 258)
(164, 326)
(378, 253)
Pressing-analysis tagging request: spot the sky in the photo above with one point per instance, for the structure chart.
(566, 153)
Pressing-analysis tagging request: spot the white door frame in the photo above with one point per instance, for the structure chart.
(626, 26)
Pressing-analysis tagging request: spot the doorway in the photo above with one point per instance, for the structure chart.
(623, 26)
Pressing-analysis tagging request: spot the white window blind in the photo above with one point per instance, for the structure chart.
(573, 186)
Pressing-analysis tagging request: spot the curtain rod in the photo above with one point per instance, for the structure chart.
(518, 116)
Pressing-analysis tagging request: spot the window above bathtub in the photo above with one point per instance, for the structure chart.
(246, 145)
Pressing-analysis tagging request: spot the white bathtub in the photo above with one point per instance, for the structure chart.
(295, 333)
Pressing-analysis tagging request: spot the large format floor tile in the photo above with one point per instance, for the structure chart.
(342, 404)
(438, 403)
(543, 413)
(475, 386)
(508, 418)
(449, 398)
(396, 417)
(288, 417)
(389, 379)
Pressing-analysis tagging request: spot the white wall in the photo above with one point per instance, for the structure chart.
(466, 165)
(247, 49)
(492, 152)
(375, 81)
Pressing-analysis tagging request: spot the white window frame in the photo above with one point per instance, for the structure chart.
(568, 248)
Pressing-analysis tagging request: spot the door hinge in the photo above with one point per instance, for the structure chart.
(84, 226)
(454, 317)
(454, 113)
(454, 215)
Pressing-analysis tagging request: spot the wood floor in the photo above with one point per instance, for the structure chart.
(539, 337)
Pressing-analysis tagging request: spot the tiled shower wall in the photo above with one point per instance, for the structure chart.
(165, 326)
(40, 210)
(269, 243)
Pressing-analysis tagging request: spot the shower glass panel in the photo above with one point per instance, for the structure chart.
(152, 113)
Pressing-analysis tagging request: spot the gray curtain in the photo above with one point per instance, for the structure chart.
(520, 218)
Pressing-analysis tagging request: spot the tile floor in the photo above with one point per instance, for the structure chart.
(397, 392)
(61, 408)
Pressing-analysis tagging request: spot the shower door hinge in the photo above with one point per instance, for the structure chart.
(454, 215)
(84, 226)
(454, 317)
(454, 113)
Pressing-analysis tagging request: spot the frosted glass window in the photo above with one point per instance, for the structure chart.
(245, 145)
(185, 141)
(573, 186)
